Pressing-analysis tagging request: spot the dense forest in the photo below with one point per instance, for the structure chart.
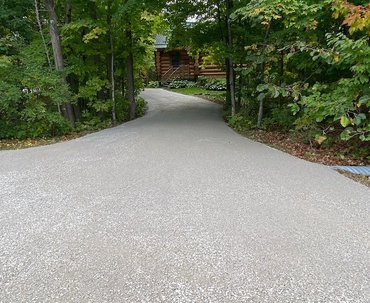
(73, 65)
(292, 65)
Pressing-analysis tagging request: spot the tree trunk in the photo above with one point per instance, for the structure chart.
(130, 75)
(228, 86)
(262, 74)
(229, 6)
(54, 35)
(240, 88)
(57, 52)
(72, 80)
(113, 82)
(68, 16)
(260, 113)
(37, 11)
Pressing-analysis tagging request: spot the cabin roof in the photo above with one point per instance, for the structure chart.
(161, 41)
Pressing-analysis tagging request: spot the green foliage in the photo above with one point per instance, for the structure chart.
(211, 84)
(240, 122)
(30, 96)
(307, 62)
(181, 84)
(345, 102)
(202, 81)
(311, 76)
(33, 95)
(90, 121)
(280, 118)
(215, 84)
(291, 13)
(153, 84)
(141, 107)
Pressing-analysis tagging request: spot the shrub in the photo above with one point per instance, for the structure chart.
(279, 117)
(28, 107)
(202, 81)
(240, 122)
(89, 121)
(215, 84)
(181, 84)
(141, 107)
(153, 84)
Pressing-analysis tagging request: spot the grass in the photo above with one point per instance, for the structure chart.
(215, 96)
(197, 91)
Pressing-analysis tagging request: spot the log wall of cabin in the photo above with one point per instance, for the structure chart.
(163, 65)
(210, 70)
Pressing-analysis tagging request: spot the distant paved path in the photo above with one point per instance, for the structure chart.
(176, 207)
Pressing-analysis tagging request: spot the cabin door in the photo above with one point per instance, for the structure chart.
(175, 59)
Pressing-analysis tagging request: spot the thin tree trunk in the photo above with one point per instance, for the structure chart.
(72, 80)
(240, 88)
(222, 21)
(114, 118)
(229, 5)
(262, 75)
(54, 35)
(228, 86)
(57, 51)
(123, 79)
(260, 113)
(281, 78)
(113, 82)
(68, 16)
(37, 11)
(130, 75)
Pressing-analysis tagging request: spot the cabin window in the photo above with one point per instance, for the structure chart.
(175, 59)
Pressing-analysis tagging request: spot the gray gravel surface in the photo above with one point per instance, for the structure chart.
(176, 207)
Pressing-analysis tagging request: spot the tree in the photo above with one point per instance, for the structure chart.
(57, 51)
(112, 63)
(296, 65)
(213, 32)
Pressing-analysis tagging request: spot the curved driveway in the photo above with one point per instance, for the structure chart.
(176, 207)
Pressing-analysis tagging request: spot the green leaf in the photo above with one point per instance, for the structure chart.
(345, 135)
(345, 121)
(320, 139)
(364, 100)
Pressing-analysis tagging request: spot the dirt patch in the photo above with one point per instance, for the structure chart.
(21, 144)
(365, 180)
(337, 154)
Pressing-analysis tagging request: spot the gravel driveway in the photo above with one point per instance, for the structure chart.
(176, 207)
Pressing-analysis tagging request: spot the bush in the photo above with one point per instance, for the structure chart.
(281, 118)
(30, 95)
(240, 122)
(29, 99)
(202, 81)
(215, 84)
(91, 122)
(141, 107)
(181, 84)
(153, 84)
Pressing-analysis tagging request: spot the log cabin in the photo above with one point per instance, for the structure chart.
(177, 64)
